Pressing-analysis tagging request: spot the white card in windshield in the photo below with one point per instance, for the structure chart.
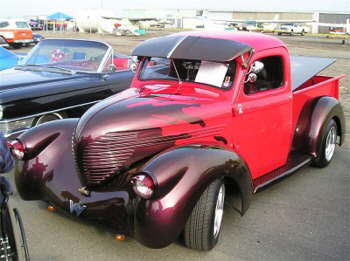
(211, 73)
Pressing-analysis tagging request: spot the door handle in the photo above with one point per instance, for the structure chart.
(239, 109)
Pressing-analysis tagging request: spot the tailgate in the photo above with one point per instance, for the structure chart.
(23, 34)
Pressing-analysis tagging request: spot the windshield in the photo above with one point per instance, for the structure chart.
(76, 55)
(22, 25)
(210, 73)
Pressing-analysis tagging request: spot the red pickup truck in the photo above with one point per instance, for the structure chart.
(205, 111)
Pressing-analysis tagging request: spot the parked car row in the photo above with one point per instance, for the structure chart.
(157, 150)
(59, 78)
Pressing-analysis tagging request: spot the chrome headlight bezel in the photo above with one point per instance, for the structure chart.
(12, 126)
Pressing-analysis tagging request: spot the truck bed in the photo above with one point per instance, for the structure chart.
(304, 68)
(316, 86)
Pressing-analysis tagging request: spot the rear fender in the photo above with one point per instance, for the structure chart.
(45, 145)
(326, 108)
(182, 174)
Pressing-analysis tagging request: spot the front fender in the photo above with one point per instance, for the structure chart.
(182, 175)
(45, 146)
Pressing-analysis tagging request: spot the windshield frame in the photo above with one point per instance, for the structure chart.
(145, 59)
(104, 60)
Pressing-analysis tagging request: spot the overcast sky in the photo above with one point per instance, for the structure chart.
(19, 8)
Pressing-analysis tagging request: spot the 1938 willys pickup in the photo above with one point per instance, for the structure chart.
(204, 111)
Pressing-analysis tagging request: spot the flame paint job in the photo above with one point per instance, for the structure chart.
(184, 136)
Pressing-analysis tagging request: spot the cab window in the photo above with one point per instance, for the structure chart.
(4, 24)
(264, 74)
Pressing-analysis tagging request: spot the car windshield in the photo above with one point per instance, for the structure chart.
(75, 55)
(210, 73)
(22, 25)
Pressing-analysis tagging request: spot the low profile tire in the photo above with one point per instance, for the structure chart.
(203, 227)
(326, 145)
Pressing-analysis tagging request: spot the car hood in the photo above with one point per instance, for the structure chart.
(13, 78)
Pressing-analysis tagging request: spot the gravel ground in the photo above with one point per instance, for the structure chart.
(302, 217)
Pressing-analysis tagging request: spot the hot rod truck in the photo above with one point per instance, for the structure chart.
(205, 111)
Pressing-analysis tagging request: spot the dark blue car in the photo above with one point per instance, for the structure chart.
(7, 59)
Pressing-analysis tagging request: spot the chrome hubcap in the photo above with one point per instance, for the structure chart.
(331, 140)
(219, 210)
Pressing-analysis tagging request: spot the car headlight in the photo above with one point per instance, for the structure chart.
(8, 127)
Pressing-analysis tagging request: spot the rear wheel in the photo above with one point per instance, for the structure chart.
(203, 227)
(326, 145)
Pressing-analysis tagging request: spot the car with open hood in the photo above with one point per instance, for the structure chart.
(59, 78)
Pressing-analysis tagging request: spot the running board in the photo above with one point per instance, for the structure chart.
(295, 162)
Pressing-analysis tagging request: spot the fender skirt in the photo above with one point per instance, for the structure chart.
(182, 175)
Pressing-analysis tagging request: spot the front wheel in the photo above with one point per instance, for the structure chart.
(203, 227)
(326, 145)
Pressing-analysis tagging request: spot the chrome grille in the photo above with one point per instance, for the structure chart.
(100, 159)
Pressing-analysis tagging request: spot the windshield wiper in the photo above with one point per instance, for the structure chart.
(178, 76)
(41, 67)
(24, 66)
(60, 68)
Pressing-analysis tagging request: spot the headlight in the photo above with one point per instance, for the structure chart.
(17, 148)
(143, 185)
(12, 126)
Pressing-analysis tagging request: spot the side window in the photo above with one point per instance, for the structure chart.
(22, 25)
(4, 24)
(109, 65)
(265, 74)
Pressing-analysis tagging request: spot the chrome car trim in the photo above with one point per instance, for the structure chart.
(47, 112)
(105, 59)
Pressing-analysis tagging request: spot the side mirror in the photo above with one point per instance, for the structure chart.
(256, 67)
(134, 62)
(251, 78)
(111, 68)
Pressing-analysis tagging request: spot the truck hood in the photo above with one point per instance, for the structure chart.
(130, 126)
(133, 110)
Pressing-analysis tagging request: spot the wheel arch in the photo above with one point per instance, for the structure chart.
(326, 108)
(311, 122)
(182, 175)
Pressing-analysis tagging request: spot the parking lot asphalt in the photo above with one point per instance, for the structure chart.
(305, 216)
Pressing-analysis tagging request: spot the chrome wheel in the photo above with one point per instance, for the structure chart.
(219, 210)
(331, 141)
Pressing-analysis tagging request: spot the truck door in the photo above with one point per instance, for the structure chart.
(263, 116)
